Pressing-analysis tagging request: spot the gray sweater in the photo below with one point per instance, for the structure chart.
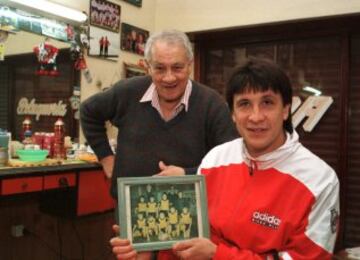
(144, 138)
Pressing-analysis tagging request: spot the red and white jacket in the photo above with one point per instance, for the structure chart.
(285, 202)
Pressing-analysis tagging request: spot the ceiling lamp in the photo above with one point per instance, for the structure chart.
(48, 9)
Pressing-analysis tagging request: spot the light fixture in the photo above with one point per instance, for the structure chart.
(49, 9)
(312, 90)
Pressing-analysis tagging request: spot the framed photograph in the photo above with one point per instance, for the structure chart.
(133, 39)
(134, 2)
(103, 43)
(105, 14)
(132, 70)
(156, 212)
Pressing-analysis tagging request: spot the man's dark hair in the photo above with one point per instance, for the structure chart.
(260, 75)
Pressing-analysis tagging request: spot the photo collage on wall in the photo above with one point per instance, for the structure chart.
(104, 31)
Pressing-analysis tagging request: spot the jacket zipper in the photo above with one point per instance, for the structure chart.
(252, 167)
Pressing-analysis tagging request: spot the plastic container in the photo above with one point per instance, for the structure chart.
(32, 155)
(3, 156)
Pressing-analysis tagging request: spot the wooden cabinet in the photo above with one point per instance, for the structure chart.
(21, 185)
(59, 181)
(76, 192)
(93, 193)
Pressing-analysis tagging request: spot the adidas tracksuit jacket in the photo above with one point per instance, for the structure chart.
(282, 204)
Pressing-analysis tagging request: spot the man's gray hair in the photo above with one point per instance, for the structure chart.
(170, 37)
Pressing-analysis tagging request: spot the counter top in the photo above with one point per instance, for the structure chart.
(6, 172)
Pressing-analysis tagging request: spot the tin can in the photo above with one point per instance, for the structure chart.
(39, 139)
(48, 143)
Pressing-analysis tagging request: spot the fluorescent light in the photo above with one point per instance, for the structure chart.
(53, 9)
(312, 90)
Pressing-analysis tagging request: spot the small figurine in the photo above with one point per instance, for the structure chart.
(46, 54)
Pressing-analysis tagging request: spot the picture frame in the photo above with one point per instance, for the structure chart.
(137, 3)
(132, 70)
(103, 43)
(156, 212)
(105, 14)
(133, 38)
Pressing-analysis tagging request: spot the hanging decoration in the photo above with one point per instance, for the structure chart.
(75, 102)
(46, 55)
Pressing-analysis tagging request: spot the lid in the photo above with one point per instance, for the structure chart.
(27, 121)
(28, 133)
(59, 122)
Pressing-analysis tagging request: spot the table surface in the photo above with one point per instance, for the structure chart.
(66, 165)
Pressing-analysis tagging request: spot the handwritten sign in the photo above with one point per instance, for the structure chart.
(32, 108)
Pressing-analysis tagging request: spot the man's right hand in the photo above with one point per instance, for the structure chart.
(108, 165)
(123, 249)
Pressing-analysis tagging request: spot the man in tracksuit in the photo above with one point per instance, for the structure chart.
(268, 196)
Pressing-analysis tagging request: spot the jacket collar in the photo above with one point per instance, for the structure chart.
(269, 160)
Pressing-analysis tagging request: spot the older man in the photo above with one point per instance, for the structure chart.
(166, 122)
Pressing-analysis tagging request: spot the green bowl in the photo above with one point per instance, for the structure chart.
(32, 155)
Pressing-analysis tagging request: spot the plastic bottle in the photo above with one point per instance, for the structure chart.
(59, 134)
(28, 142)
(26, 125)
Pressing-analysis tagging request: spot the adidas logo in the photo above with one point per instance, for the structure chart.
(265, 219)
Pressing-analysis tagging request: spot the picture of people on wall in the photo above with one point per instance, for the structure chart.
(105, 14)
(103, 43)
(133, 39)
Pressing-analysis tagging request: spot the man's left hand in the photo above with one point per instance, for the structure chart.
(170, 170)
(197, 248)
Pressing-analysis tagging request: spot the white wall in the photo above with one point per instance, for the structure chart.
(197, 15)
(105, 71)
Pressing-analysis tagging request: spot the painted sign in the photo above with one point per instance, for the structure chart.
(32, 108)
(313, 108)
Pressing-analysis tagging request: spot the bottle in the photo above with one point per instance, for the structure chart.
(59, 134)
(26, 125)
(28, 142)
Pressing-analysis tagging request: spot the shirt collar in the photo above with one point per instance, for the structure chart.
(151, 94)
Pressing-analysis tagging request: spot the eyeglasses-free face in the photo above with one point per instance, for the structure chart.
(170, 69)
(259, 119)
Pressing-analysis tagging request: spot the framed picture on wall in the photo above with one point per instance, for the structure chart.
(134, 2)
(133, 38)
(132, 70)
(105, 14)
(156, 212)
(103, 43)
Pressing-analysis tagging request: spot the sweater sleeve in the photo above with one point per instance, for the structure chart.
(95, 112)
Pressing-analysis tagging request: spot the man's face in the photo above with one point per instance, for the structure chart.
(170, 70)
(259, 119)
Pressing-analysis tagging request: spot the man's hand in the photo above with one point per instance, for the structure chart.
(170, 170)
(122, 248)
(197, 248)
(108, 165)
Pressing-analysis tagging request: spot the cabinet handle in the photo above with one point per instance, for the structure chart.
(63, 182)
(24, 186)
